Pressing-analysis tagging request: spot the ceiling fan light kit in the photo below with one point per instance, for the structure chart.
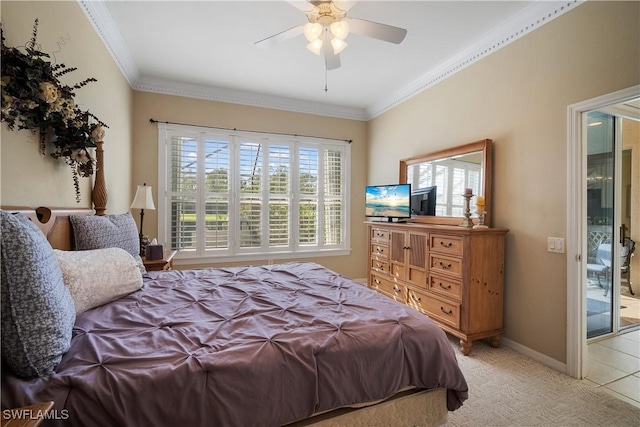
(324, 17)
(340, 29)
(338, 45)
(312, 31)
(315, 46)
(328, 17)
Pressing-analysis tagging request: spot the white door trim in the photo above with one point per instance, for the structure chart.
(577, 224)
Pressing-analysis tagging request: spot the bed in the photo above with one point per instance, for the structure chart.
(285, 344)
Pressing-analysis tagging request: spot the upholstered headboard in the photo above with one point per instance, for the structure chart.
(54, 223)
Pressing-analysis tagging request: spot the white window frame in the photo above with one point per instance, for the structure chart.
(234, 253)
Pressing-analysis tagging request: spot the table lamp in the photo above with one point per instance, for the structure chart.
(143, 200)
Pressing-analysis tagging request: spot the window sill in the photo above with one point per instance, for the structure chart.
(185, 258)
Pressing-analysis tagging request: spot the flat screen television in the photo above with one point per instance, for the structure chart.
(388, 201)
(423, 201)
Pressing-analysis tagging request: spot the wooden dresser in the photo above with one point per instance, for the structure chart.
(452, 274)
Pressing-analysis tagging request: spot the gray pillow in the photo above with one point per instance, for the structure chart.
(108, 231)
(37, 310)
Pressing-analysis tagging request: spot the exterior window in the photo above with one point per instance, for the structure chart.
(239, 195)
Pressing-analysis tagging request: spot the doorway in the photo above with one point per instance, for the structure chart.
(612, 305)
(595, 220)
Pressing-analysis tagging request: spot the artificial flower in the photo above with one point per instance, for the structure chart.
(33, 98)
(48, 92)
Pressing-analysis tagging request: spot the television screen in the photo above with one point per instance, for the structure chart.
(388, 201)
(423, 201)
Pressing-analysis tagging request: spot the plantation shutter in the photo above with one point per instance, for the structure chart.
(308, 196)
(182, 191)
(233, 195)
(251, 194)
(279, 195)
(333, 196)
(217, 157)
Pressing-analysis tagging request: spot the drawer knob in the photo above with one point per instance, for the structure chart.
(450, 312)
(446, 288)
(446, 245)
(377, 281)
(396, 289)
(415, 298)
(445, 266)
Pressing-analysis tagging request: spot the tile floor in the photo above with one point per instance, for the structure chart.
(614, 366)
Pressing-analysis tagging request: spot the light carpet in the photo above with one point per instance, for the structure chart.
(509, 389)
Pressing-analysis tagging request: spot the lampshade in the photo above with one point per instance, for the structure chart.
(338, 45)
(315, 46)
(312, 31)
(340, 29)
(143, 198)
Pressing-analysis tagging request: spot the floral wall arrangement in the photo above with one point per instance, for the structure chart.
(33, 98)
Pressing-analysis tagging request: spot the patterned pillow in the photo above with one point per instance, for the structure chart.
(98, 276)
(37, 309)
(108, 231)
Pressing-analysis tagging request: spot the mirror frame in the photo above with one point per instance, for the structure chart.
(486, 147)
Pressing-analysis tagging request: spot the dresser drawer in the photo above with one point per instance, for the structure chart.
(451, 245)
(434, 307)
(394, 290)
(444, 286)
(379, 251)
(379, 235)
(380, 266)
(445, 265)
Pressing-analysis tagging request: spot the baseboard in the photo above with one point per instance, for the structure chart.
(532, 354)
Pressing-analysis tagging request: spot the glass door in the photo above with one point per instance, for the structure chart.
(601, 213)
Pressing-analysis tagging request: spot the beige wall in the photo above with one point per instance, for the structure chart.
(29, 179)
(209, 113)
(518, 97)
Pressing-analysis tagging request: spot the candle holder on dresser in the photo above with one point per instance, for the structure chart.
(466, 221)
(480, 224)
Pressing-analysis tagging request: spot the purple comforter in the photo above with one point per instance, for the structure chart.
(244, 346)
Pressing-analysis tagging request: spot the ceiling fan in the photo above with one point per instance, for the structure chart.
(327, 27)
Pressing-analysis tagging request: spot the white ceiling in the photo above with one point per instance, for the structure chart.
(205, 49)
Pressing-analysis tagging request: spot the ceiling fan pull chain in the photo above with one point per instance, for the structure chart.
(326, 88)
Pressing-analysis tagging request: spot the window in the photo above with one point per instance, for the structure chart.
(241, 195)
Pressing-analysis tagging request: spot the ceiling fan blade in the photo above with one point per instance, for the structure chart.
(344, 4)
(376, 30)
(331, 60)
(280, 37)
(303, 5)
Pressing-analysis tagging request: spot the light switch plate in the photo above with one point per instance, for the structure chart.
(555, 244)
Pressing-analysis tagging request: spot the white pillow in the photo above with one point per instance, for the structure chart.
(95, 277)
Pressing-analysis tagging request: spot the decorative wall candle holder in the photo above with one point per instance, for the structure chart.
(466, 221)
(480, 223)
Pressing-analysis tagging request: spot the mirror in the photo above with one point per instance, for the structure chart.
(451, 171)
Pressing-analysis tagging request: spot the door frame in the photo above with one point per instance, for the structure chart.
(576, 226)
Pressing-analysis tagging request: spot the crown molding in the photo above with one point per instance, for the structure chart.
(100, 18)
(530, 19)
(167, 87)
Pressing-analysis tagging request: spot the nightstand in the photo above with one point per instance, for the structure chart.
(165, 263)
(26, 416)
